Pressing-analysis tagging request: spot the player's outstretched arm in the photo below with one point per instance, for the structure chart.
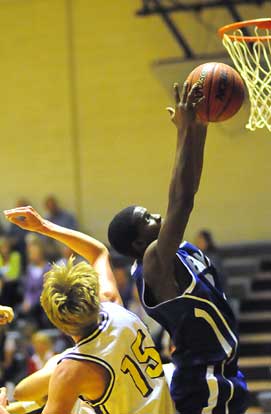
(91, 249)
(70, 380)
(6, 315)
(34, 387)
(31, 392)
(191, 134)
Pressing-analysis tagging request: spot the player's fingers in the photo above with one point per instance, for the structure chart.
(19, 221)
(199, 100)
(171, 111)
(16, 213)
(13, 219)
(195, 95)
(177, 93)
(8, 218)
(197, 89)
(19, 209)
(185, 92)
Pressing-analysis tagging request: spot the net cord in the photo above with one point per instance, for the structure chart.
(253, 62)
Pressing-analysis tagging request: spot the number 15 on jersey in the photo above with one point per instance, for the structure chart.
(134, 366)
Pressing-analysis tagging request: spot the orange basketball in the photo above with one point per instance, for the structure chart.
(223, 89)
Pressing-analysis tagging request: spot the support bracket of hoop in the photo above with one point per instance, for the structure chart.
(166, 8)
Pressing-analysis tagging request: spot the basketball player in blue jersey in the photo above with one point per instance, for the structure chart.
(178, 285)
(114, 356)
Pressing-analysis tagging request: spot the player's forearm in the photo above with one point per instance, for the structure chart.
(93, 251)
(188, 165)
(84, 245)
(33, 387)
(108, 286)
(199, 135)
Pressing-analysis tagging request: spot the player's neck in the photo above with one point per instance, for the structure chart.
(88, 332)
(76, 338)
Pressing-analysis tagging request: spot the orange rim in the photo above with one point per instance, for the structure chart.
(260, 23)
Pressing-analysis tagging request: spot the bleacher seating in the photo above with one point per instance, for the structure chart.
(248, 268)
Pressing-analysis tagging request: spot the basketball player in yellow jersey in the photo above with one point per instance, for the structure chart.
(114, 366)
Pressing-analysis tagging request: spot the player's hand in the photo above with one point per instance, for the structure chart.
(106, 295)
(3, 400)
(186, 103)
(15, 408)
(25, 217)
(6, 315)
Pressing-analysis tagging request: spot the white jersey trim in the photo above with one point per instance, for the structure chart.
(84, 357)
(223, 320)
(188, 290)
(100, 328)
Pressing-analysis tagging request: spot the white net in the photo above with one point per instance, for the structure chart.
(253, 61)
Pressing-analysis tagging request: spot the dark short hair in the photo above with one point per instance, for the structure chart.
(122, 231)
(208, 237)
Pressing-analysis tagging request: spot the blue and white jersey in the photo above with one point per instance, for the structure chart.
(123, 346)
(204, 332)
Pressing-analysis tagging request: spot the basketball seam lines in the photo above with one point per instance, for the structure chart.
(228, 100)
(209, 92)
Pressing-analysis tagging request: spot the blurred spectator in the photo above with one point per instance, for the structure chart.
(205, 242)
(62, 342)
(8, 359)
(17, 350)
(33, 282)
(66, 253)
(59, 216)
(10, 271)
(18, 235)
(2, 353)
(43, 351)
(2, 229)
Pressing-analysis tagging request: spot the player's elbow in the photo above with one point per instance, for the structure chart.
(96, 255)
(102, 252)
(19, 393)
(111, 295)
(24, 391)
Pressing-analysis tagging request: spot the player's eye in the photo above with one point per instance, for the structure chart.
(147, 217)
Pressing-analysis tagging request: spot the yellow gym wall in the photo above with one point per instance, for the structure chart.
(83, 117)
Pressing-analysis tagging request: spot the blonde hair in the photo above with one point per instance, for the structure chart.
(70, 297)
(41, 337)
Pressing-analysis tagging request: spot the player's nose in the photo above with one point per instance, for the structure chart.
(157, 218)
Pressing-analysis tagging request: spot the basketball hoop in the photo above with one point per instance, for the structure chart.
(252, 58)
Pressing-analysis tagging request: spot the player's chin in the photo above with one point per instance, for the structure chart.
(159, 226)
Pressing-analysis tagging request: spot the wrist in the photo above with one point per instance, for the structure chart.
(186, 122)
(47, 228)
(199, 121)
